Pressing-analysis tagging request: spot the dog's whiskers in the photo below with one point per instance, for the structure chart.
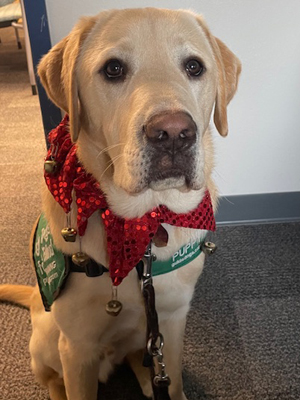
(112, 161)
(106, 149)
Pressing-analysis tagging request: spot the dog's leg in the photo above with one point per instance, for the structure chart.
(80, 370)
(57, 389)
(142, 374)
(46, 376)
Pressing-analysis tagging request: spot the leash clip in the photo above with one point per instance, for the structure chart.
(147, 268)
(155, 351)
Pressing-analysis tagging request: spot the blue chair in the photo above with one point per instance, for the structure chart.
(10, 12)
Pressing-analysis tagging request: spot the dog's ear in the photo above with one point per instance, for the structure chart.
(229, 69)
(57, 71)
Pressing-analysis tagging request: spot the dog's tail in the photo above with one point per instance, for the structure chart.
(19, 294)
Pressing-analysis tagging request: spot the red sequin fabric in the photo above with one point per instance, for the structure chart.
(127, 239)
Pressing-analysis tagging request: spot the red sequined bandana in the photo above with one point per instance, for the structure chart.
(127, 239)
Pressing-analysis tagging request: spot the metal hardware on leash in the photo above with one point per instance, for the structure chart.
(155, 340)
(161, 378)
(147, 271)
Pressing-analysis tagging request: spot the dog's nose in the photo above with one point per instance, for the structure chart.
(171, 131)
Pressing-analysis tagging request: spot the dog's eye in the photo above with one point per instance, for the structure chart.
(114, 69)
(194, 68)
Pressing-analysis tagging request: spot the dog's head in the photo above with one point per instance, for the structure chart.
(140, 86)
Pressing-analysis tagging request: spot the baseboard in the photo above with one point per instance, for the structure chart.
(259, 208)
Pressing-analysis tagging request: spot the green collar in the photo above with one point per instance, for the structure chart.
(180, 258)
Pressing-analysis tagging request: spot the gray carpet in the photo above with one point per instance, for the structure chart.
(242, 336)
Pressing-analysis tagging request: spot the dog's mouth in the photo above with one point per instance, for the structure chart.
(173, 172)
(161, 181)
(172, 179)
(152, 173)
(169, 183)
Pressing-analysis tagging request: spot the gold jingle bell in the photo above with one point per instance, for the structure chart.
(80, 259)
(69, 234)
(51, 166)
(208, 248)
(113, 307)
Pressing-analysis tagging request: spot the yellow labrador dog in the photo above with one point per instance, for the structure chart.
(139, 87)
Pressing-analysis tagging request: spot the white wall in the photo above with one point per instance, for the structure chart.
(262, 152)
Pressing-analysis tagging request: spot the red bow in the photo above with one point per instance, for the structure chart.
(127, 239)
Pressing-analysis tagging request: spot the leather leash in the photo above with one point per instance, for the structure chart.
(153, 354)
